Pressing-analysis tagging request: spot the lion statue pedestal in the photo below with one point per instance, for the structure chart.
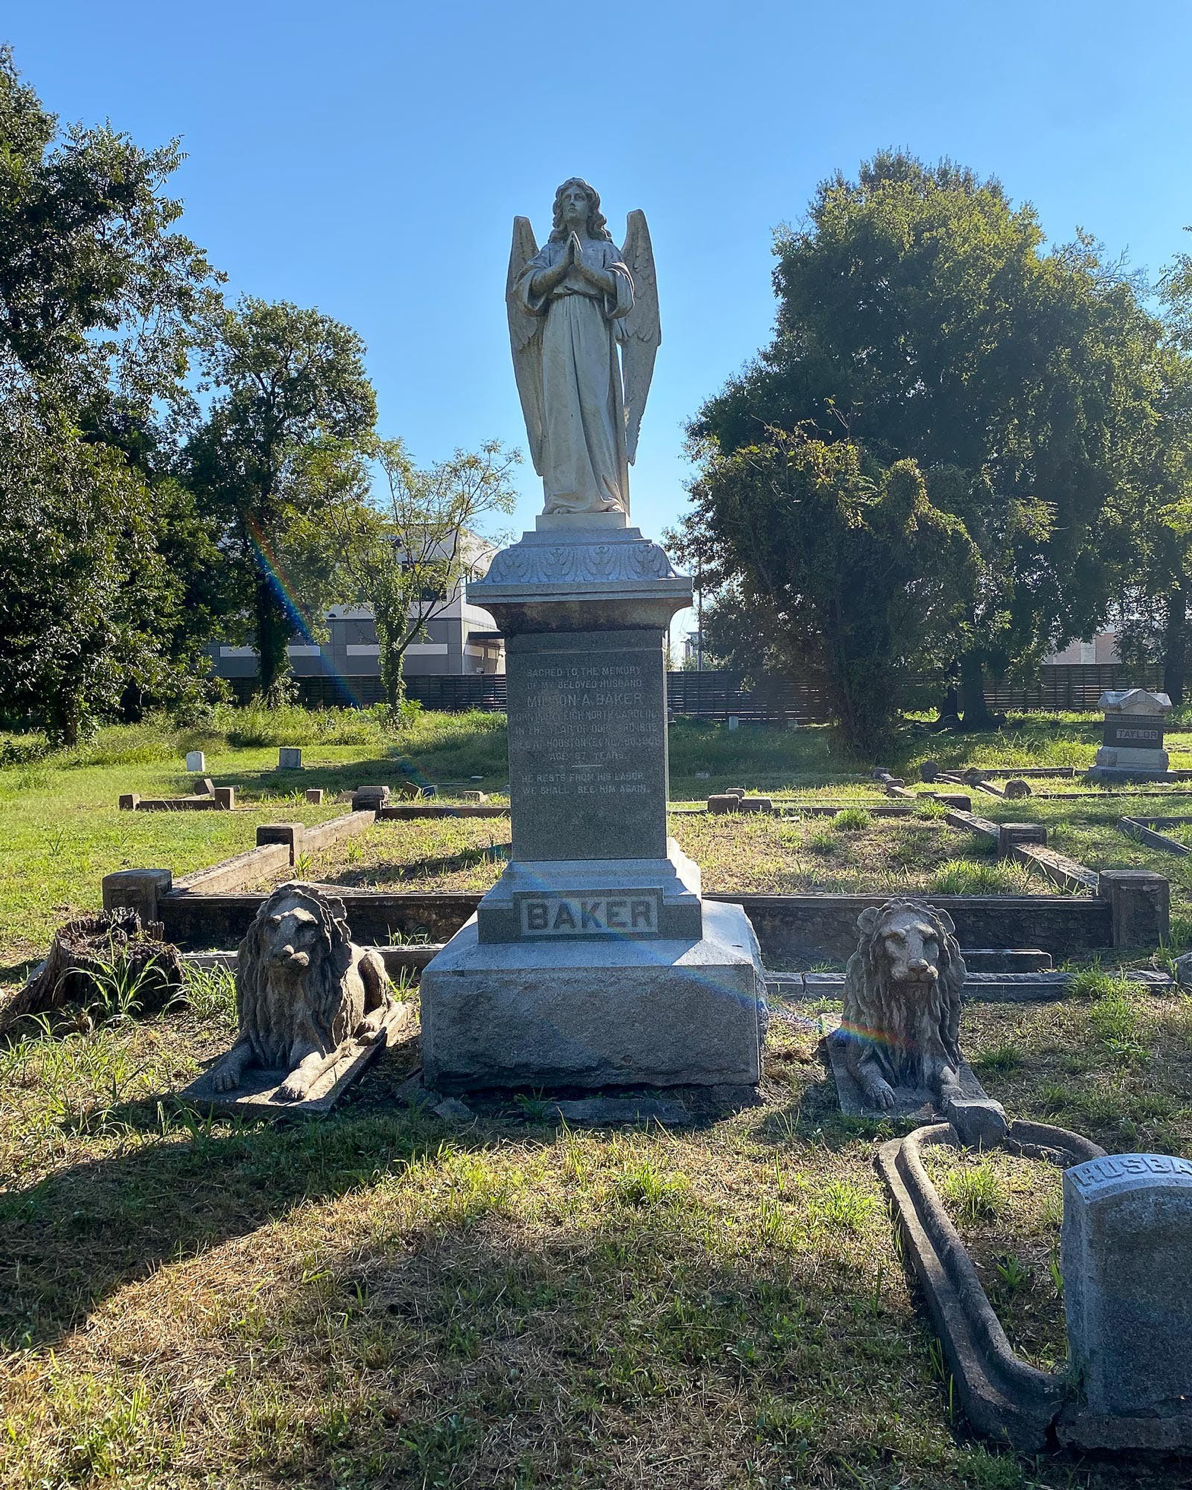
(313, 1009)
(897, 1050)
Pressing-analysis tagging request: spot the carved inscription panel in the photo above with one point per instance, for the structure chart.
(1137, 733)
(1094, 1173)
(587, 745)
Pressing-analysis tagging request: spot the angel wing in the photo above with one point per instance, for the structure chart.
(525, 340)
(643, 331)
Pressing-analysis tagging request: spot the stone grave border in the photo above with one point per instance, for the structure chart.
(1003, 1397)
(221, 799)
(1098, 911)
(198, 912)
(1146, 830)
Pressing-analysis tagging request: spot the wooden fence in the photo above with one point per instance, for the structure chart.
(717, 695)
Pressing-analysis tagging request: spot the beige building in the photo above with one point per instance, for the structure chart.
(1102, 648)
(457, 640)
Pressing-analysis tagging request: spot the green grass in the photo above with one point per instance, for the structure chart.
(983, 877)
(1008, 1210)
(61, 831)
(380, 1298)
(976, 1191)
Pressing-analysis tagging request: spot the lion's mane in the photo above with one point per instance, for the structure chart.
(878, 1014)
(322, 1012)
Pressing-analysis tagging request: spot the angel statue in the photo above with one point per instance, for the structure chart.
(570, 306)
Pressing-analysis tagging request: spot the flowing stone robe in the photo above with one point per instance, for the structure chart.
(585, 468)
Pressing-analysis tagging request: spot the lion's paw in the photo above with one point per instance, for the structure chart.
(291, 1090)
(225, 1081)
(883, 1096)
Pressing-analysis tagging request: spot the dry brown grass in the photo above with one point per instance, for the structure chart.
(737, 854)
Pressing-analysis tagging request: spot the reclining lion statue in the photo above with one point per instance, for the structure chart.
(902, 995)
(302, 989)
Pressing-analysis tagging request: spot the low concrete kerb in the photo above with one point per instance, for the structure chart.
(1003, 1397)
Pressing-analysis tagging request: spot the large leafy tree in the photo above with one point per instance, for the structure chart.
(99, 298)
(84, 588)
(839, 564)
(98, 295)
(1157, 598)
(286, 381)
(921, 315)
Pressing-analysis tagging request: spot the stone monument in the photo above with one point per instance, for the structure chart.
(897, 1048)
(1132, 748)
(593, 961)
(1126, 1254)
(312, 1007)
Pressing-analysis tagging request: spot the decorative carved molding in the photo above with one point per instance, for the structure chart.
(530, 563)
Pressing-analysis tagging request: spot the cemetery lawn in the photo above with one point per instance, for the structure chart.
(385, 1298)
(61, 832)
(756, 854)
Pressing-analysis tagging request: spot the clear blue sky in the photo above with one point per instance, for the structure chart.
(368, 158)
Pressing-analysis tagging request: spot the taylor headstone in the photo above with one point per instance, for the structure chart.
(1132, 748)
(1126, 1258)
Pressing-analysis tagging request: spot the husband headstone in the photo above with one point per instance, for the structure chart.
(1126, 1257)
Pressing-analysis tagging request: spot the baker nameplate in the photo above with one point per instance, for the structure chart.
(623, 913)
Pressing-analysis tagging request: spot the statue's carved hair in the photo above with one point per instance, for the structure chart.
(597, 223)
(877, 1009)
(322, 978)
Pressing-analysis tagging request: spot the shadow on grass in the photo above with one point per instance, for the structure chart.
(85, 1231)
(621, 1343)
(374, 875)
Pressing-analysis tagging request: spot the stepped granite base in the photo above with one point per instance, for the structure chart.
(596, 1013)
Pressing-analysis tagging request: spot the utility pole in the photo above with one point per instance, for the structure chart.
(699, 617)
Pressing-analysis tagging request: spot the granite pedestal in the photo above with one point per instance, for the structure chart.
(593, 961)
(1132, 748)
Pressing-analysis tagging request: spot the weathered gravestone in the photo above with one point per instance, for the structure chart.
(1126, 1257)
(289, 758)
(370, 798)
(196, 761)
(1132, 748)
(594, 960)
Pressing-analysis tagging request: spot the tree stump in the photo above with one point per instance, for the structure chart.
(106, 958)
